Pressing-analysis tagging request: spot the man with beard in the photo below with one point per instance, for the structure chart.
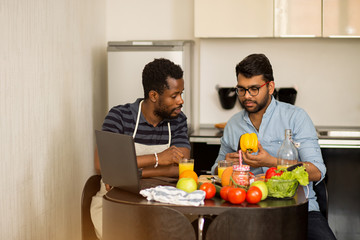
(157, 124)
(269, 118)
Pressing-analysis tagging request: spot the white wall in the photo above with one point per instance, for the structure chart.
(325, 72)
(322, 69)
(156, 20)
(149, 20)
(52, 68)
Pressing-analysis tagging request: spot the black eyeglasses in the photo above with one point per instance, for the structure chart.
(253, 91)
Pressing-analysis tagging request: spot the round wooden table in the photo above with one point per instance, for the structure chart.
(269, 219)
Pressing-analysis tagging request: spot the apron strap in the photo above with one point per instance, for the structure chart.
(137, 119)
(137, 124)
(169, 134)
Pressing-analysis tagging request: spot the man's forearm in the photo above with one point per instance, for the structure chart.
(313, 171)
(148, 160)
(166, 171)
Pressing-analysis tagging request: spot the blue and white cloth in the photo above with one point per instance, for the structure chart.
(169, 194)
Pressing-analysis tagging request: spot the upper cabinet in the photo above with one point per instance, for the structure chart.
(341, 18)
(297, 18)
(233, 18)
(277, 18)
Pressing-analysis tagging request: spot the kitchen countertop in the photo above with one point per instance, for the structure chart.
(207, 135)
(329, 137)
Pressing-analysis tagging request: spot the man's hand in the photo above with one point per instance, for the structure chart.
(108, 187)
(262, 159)
(234, 157)
(170, 156)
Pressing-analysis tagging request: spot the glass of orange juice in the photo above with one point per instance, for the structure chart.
(222, 165)
(186, 164)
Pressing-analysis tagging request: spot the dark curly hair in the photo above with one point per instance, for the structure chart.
(254, 65)
(155, 74)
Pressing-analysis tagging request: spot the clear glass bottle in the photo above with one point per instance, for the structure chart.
(241, 175)
(288, 153)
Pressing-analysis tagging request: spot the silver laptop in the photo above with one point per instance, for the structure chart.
(118, 160)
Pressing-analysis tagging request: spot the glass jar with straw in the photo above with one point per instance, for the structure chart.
(241, 174)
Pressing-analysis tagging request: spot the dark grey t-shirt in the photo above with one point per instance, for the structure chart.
(122, 119)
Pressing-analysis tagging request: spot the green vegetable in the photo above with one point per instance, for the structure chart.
(279, 188)
(218, 188)
(234, 184)
(298, 173)
(301, 175)
(286, 184)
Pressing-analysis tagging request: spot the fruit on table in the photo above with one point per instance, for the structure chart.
(189, 174)
(209, 189)
(187, 184)
(273, 171)
(249, 142)
(224, 192)
(263, 188)
(253, 195)
(237, 195)
(225, 177)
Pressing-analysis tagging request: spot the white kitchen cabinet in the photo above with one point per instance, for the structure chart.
(297, 18)
(233, 18)
(276, 18)
(341, 18)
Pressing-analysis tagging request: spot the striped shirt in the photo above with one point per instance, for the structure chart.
(122, 119)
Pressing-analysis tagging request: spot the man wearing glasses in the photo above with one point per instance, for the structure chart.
(269, 118)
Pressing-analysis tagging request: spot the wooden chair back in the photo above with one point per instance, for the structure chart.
(274, 223)
(91, 187)
(133, 222)
(322, 197)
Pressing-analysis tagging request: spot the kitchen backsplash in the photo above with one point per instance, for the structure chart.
(324, 71)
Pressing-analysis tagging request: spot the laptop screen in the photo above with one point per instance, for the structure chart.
(118, 160)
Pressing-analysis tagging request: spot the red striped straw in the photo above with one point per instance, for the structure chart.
(240, 158)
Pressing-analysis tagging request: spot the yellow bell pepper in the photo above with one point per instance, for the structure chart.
(249, 142)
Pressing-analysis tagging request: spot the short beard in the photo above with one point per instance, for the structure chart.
(164, 115)
(259, 106)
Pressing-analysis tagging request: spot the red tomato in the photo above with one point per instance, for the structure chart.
(253, 195)
(273, 172)
(237, 195)
(224, 192)
(209, 189)
(252, 176)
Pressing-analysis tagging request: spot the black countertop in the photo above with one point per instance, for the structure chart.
(342, 137)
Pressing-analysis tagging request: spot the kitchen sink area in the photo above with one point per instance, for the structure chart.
(338, 132)
(338, 137)
(341, 136)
